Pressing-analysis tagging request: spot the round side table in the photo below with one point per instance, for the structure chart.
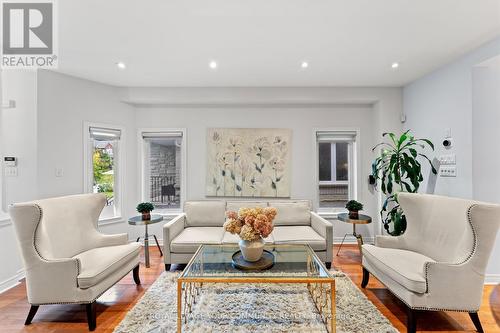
(137, 220)
(362, 219)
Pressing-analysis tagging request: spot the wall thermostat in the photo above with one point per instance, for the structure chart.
(10, 161)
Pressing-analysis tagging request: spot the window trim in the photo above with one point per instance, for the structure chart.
(87, 167)
(354, 162)
(142, 164)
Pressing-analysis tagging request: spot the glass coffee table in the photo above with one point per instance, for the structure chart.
(292, 264)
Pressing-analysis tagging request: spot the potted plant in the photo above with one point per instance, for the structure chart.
(398, 169)
(354, 207)
(145, 209)
(251, 225)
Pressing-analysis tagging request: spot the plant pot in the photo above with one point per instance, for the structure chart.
(146, 216)
(252, 250)
(353, 214)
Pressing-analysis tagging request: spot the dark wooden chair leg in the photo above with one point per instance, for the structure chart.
(135, 273)
(31, 314)
(411, 322)
(91, 315)
(366, 277)
(475, 319)
(167, 267)
(328, 264)
(158, 244)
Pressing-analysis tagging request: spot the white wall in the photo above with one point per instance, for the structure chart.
(18, 135)
(372, 111)
(46, 132)
(444, 99)
(485, 151)
(64, 104)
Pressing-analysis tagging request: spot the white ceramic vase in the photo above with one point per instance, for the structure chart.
(252, 250)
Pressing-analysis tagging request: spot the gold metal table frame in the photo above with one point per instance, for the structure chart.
(321, 289)
(362, 219)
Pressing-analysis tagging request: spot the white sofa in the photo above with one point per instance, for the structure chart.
(202, 223)
(66, 259)
(439, 263)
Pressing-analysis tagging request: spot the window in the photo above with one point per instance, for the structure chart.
(103, 166)
(336, 165)
(163, 160)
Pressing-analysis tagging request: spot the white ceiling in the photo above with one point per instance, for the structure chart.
(263, 42)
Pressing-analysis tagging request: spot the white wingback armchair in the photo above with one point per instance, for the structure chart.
(439, 263)
(66, 258)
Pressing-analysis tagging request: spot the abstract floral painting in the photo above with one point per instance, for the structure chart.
(248, 162)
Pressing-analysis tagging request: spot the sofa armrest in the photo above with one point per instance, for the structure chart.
(325, 229)
(393, 242)
(170, 230)
(111, 240)
(454, 286)
(53, 281)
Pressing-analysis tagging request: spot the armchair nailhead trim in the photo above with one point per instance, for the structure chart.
(83, 302)
(427, 265)
(422, 307)
(37, 222)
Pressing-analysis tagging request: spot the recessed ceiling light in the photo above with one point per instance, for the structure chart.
(121, 65)
(213, 64)
(394, 65)
(304, 64)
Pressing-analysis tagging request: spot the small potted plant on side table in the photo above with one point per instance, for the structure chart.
(145, 209)
(354, 207)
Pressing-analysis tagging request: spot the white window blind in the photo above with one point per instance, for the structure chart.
(146, 135)
(104, 134)
(337, 136)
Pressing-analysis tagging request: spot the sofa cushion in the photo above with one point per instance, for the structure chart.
(205, 213)
(292, 213)
(299, 235)
(236, 205)
(191, 238)
(97, 264)
(229, 238)
(405, 267)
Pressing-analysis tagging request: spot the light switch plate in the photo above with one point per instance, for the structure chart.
(59, 172)
(448, 171)
(11, 172)
(447, 159)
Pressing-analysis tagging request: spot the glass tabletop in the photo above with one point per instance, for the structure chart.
(290, 262)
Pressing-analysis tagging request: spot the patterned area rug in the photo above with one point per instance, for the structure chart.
(252, 308)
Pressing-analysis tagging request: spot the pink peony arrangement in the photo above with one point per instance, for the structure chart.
(251, 223)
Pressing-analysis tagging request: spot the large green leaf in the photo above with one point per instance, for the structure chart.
(398, 166)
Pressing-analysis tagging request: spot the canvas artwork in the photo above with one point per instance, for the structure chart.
(248, 162)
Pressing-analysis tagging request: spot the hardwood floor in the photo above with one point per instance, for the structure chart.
(114, 304)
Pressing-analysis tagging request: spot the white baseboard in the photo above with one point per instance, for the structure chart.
(12, 281)
(492, 279)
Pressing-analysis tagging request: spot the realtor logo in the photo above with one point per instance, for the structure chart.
(28, 34)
